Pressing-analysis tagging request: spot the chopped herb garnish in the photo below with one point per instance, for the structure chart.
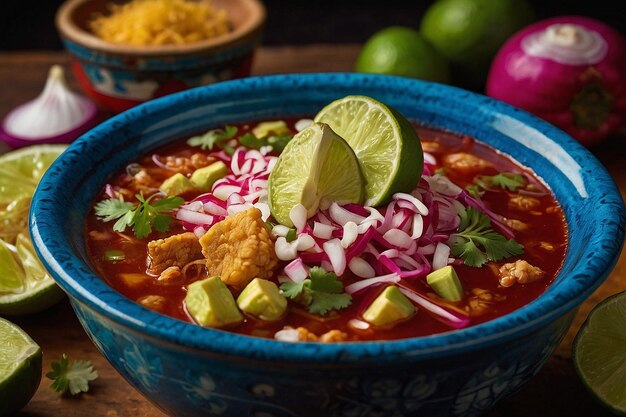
(214, 137)
(474, 190)
(277, 143)
(476, 242)
(321, 292)
(291, 235)
(441, 171)
(74, 378)
(504, 180)
(250, 141)
(141, 217)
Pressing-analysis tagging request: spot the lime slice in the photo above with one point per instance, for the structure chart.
(20, 368)
(25, 285)
(384, 142)
(316, 164)
(599, 353)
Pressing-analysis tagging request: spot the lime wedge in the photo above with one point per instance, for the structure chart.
(25, 285)
(317, 164)
(384, 142)
(599, 353)
(20, 368)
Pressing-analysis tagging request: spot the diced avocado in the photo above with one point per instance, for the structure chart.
(203, 178)
(263, 129)
(211, 304)
(390, 306)
(177, 184)
(262, 299)
(446, 284)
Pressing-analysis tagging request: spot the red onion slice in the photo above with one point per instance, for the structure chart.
(449, 317)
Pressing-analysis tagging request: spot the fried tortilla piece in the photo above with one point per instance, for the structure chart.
(239, 249)
(177, 250)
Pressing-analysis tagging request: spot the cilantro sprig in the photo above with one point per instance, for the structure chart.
(214, 137)
(321, 292)
(74, 378)
(505, 180)
(139, 217)
(477, 243)
(277, 142)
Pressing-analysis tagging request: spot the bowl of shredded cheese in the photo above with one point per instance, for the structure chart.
(127, 52)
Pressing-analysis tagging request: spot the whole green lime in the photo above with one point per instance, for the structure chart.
(469, 32)
(402, 51)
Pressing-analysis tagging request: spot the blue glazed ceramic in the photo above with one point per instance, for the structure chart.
(188, 370)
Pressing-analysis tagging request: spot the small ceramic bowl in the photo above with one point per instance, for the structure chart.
(119, 77)
(188, 370)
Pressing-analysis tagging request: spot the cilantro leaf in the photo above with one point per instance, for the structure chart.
(112, 208)
(505, 180)
(292, 289)
(325, 281)
(74, 378)
(320, 293)
(213, 137)
(277, 143)
(476, 242)
(140, 217)
(322, 303)
(474, 190)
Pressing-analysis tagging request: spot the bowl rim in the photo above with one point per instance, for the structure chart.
(68, 29)
(48, 237)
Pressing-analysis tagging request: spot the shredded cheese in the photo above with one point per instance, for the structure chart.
(160, 22)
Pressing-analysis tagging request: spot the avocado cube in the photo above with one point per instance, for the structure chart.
(446, 284)
(264, 129)
(211, 304)
(390, 306)
(177, 184)
(204, 178)
(262, 299)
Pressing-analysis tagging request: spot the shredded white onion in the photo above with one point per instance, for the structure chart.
(305, 242)
(322, 231)
(296, 270)
(421, 208)
(336, 254)
(360, 285)
(398, 238)
(361, 268)
(298, 216)
(342, 216)
(285, 251)
(194, 217)
(350, 233)
(280, 230)
(440, 258)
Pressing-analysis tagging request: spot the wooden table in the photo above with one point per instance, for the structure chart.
(556, 391)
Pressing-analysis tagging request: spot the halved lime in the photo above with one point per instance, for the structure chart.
(25, 286)
(384, 142)
(600, 353)
(316, 164)
(20, 368)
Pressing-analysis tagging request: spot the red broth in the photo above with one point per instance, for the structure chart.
(544, 241)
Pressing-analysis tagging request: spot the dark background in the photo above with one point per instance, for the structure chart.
(29, 24)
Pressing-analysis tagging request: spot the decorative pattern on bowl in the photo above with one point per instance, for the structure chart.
(189, 370)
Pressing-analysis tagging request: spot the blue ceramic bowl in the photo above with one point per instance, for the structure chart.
(188, 370)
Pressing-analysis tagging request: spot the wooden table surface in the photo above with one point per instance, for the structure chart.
(556, 391)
